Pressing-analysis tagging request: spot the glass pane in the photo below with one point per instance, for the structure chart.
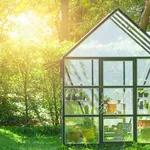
(118, 101)
(81, 101)
(118, 129)
(79, 72)
(122, 18)
(79, 130)
(108, 40)
(131, 29)
(118, 73)
(143, 71)
(143, 101)
(96, 72)
(143, 129)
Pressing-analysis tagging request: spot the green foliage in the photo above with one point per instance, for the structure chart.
(29, 76)
(34, 130)
(85, 14)
(30, 82)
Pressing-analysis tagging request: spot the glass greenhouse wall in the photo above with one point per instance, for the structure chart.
(106, 85)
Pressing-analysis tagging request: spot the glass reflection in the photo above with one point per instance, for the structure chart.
(80, 130)
(118, 129)
(143, 129)
(118, 101)
(81, 72)
(81, 101)
(108, 41)
(143, 72)
(118, 73)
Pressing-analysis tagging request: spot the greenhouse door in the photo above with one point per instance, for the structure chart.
(117, 92)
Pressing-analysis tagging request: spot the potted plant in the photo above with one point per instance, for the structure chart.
(74, 134)
(145, 104)
(118, 98)
(74, 97)
(68, 96)
(106, 100)
(146, 93)
(111, 107)
(140, 92)
(82, 95)
(88, 130)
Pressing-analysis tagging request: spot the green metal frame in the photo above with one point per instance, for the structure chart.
(140, 37)
(100, 87)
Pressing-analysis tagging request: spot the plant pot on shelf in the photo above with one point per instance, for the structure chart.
(88, 134)
(118, 101)
(74, 97)
(146, 93)
(111, 107)
(82, 98)
(105, 101)
(141, 105)
(74, 136)
(82, 95)
(140, 94)
(68, 97)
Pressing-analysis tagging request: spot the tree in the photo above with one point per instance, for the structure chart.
(64, 20)
(144, 19)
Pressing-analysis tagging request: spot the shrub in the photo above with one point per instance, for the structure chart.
(35, 130)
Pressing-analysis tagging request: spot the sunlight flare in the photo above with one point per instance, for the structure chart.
(28, 26)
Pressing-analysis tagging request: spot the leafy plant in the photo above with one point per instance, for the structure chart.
(140, 92)
(146, 93)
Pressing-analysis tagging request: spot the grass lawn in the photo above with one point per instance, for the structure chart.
(12, 140)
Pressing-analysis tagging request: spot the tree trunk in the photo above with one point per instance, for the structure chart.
(144, 19)
(24, 76)
(64, 20)
(26, 101)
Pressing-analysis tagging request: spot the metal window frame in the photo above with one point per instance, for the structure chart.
(143, 40)
(100, 87)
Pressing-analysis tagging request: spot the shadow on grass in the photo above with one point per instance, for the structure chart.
(9, 140)
(13, 141)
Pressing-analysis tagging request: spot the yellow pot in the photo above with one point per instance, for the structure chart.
(111, 108)
(88, 134)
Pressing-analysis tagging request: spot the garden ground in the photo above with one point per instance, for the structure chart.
(39, 138)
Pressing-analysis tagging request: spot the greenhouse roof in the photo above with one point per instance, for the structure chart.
(115, 36)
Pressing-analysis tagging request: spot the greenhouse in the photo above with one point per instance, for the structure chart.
(106, 84)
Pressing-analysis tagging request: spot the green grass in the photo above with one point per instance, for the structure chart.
(13, 141)
(27, 139)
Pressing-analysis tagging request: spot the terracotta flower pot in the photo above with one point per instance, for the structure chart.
(111, 108)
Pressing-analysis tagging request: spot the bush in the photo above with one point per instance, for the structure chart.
(35, 130)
